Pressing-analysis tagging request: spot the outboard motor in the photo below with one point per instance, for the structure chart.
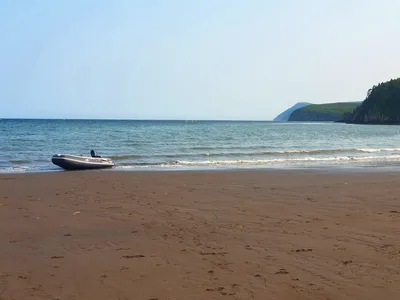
(93, 154)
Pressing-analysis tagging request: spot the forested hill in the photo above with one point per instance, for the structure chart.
(381, 106)
(324, 112)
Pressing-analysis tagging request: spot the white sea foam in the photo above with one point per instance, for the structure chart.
(303, 161)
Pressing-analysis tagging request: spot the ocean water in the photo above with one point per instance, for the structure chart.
(27, 145)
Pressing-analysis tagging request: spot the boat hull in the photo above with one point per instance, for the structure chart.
(72, 162)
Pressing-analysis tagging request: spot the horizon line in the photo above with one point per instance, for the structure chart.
(122, 119)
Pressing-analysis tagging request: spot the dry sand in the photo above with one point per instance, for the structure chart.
(200, 235)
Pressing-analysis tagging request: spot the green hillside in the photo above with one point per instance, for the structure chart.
(325, 112)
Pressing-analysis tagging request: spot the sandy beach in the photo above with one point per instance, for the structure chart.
(200, 235)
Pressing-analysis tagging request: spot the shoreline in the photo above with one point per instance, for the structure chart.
(200, 235)
(320, 168)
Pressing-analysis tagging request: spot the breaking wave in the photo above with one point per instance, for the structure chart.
(269, 162)
(254, 153)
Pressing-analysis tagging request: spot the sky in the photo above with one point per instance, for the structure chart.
(192, 60)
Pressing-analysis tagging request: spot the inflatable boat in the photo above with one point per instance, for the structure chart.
(74, 162)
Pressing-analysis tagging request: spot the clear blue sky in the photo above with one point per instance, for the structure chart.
(191, 59)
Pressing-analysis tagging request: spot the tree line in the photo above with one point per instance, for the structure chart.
(381, 106)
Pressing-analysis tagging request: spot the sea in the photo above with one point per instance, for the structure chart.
(135, 145)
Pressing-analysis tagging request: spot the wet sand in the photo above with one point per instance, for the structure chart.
(200, 235)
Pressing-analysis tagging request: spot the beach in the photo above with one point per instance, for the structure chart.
(246, 234)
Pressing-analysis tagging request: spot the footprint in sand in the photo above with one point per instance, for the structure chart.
(281, 272)
(213, 253)
(221, 290)
(302, 250)
(133, 256)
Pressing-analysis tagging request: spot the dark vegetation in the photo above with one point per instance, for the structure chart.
(381, 106)
(324, 112)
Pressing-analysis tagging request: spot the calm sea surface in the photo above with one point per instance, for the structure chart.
(27, 145)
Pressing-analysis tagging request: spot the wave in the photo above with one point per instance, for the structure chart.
(128, 157)
(372, 150)
(348, 156)
(149, 164)
(124, 157)
(332, 151)
(19, 161)
(29, 169)
(266, 162)
(257, 153)
(307, 161)
(225, 147)
(290, 160)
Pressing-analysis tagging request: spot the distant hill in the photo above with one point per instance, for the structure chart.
(283, 117)
(324, 112)
(382, 105)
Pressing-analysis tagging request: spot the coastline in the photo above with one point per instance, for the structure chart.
(385, 168)
(201, 235)
(144, 145)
